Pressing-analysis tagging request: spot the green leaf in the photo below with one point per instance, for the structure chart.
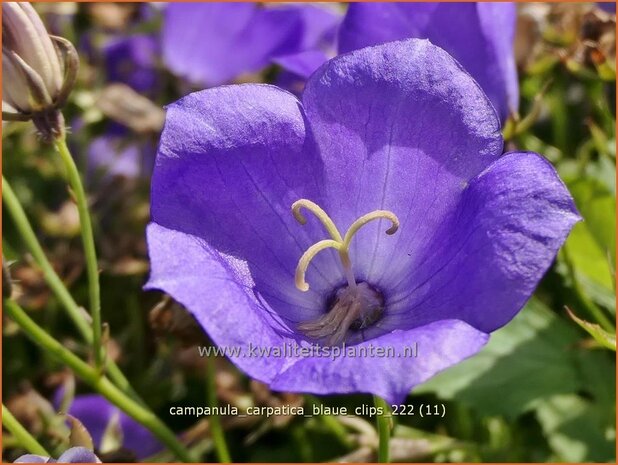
(597, 205)
(534, 357)
(604, 338)
(591, 265)
(599, 381)
(604, 171)
(574, 430)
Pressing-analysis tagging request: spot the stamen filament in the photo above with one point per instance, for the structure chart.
(306, 258)
(341, 244)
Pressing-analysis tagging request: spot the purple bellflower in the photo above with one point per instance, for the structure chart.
(132, 60)
(478, 35)
(216, 43)
(253, 190)
(96, 414)
(317, 42)
(125, 56)
(114, 154)
(72, 455)
(129, 59)
(610, 7)
(111, 156)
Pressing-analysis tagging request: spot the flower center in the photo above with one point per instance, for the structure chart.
(353, 308)
(357, 305)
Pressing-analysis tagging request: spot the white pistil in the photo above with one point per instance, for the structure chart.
(347, 268)
(338, 242)
(357, 305)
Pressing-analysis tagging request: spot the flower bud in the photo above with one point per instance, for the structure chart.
(39, 70)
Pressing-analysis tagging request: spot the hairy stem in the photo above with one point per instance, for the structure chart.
(331, 422)
(25, 439)
(216, 430)
(90, 253)
(24, 228)
(384, 429)
(99, 383)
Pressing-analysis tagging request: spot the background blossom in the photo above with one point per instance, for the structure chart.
(479, 35)
(244, 38)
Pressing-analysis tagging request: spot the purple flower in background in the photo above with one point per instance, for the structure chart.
(114, 154)
(128, 59)
(132, 60)
(126, 56)
(96, 414)
(478, 35)
(394, 138)
(317, 44)
(72, 455)
(610, 7)
(215, 43)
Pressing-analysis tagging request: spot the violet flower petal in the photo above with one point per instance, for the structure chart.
(302, 64)
(113, 154)
(31, 458)
(319, 27)
(487, 258)
(479, 35)
(78, 455)
(440, 345)
(214, 289)
(228, 174)
(610, 7)
(132, 60)
(213, 43)
(242, 38)
(95, 413)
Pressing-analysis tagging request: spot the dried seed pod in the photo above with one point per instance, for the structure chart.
(39, 70)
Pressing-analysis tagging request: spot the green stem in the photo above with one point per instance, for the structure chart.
(331, 422)
(92, 267)
(25, 439)
(29, 238)
(302, 443)
(384, 429)
(216, 429)
(93, 377)
(53, 280)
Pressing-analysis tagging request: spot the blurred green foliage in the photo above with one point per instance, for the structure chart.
(541, 390)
